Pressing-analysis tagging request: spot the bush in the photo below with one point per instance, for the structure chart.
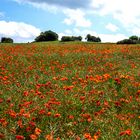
(134, 37)
(76, 38)
(47, 36)
(66, 38)
(132, 40)
(71, 38)
(90, 38)
(127, 41)
(6, 40)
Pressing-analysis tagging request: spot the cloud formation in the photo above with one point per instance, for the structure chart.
(112, 27)
(126, 12)
(19, 31)
(76, 17)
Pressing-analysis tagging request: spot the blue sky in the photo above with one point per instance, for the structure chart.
(111, 20)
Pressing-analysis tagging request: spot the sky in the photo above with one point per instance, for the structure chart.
(111, 20)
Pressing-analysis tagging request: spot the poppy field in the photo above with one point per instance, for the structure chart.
(69, 92)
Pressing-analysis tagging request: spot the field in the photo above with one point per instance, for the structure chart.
(70, 91)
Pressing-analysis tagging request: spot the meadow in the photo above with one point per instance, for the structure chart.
(69, 91)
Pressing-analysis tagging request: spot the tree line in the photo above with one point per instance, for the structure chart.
(53, 36)
(131, 40)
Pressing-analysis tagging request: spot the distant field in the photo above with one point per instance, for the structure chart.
(69, 91)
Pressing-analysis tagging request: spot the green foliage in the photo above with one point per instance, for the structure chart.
(71, 38)
(134, 37)
(126, 41)
(90, 38)
(132, 40)
(6, 40)
(47, 36)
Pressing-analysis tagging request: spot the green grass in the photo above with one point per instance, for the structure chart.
(69, 91)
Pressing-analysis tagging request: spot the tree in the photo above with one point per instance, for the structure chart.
(66, 38)
(71, 38)
(6, 40)
(76, 38)
(132, 40)
(90, 38)
(98, 39)
(47, 36)
(134, 37)
(127, 41)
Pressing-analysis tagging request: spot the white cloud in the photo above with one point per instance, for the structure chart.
(104, 37)
(112, 37)
(136, 31)
(61, 34)
(73, 10)
(76, 17)
(19, 31)
(111, 27)
(126, 12)
(68, 31)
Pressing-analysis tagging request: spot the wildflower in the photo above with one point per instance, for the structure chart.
(37, 131)
(12, 114)
(74, 122)
(87, 136)
(21, 112)
(33, 137)
(25, 93)
(55, 78)
(117, 103)
(41, 112)
(49, 114)
(117, 80)
(20, 123)
(71, 117)
(3, 122)
(57, 115)
(2, 136)
(77, 138)
(49, 137)
(8, 100)
(106, 76)
(97, 135)
(28, 129)
(1, 100)
(89, 120)
(64, 79)
(98, 103)
(106, 104)
(26, 115)
(32, 123)
(67, 88)
(19, 137)
(82, 98)
(138, 92)
(126, 132)
(58, 138)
